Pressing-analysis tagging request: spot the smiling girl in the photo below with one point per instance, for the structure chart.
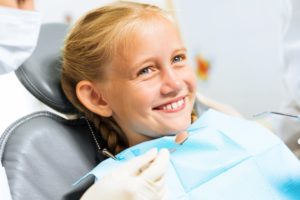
(125, 68)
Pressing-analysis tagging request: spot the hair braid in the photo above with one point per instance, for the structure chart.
(194, 116)
(111, 134)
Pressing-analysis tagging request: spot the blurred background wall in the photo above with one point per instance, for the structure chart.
(241, 40)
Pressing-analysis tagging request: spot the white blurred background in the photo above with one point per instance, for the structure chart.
(241, 39)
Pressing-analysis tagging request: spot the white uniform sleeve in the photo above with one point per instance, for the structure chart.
(286, 128)
(291, 53)
(19, 31)
(18, 36)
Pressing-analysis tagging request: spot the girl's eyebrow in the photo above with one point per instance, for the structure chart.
(180, 49)
(140, 63)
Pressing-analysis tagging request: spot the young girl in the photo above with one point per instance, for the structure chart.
(125, 68)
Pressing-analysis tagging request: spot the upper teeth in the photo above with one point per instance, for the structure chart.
(174, 105)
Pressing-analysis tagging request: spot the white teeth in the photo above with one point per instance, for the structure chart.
(180, 103)
(169, 107)
(174, 105)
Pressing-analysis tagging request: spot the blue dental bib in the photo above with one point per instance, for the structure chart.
(224, 158)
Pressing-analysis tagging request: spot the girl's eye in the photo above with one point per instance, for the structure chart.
(178, 58)
(144, 71)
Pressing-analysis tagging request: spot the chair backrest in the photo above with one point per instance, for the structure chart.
(43, 153)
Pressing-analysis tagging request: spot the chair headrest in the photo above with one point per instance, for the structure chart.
(40, 74)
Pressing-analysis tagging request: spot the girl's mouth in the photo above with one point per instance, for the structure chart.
(172, 106)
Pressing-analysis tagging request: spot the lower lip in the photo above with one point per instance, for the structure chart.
(175, 110)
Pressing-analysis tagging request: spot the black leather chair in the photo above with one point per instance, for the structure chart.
(44, 153)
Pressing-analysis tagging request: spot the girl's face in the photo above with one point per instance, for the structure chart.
(150, 88)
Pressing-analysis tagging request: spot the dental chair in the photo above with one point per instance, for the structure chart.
(44, 153)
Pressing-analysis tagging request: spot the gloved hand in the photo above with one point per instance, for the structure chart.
(142, 178)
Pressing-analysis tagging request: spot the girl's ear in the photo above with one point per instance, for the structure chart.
(92, 99)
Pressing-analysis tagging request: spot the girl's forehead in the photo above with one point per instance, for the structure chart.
(155, 41)
(135, 34)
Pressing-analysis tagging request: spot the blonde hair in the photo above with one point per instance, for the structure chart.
(91, 45)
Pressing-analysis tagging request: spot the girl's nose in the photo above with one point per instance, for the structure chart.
(171, 82)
